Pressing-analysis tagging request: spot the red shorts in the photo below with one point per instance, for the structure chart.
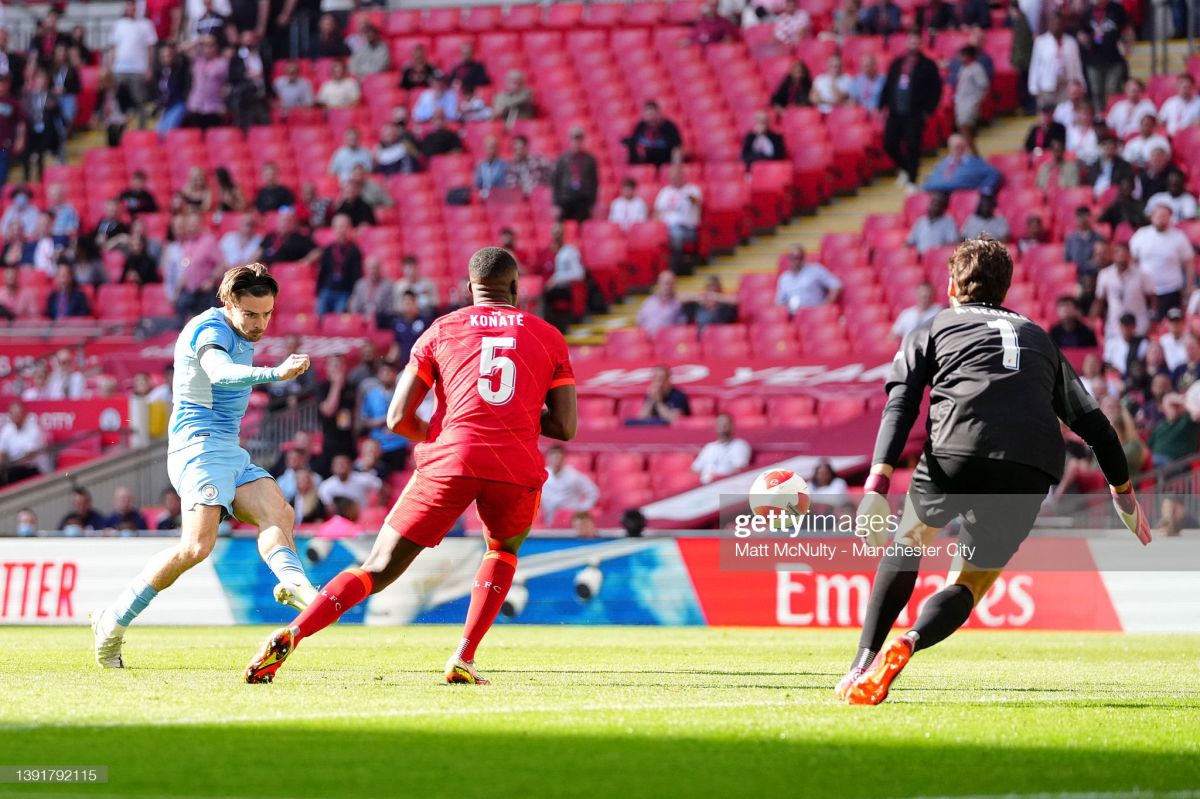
(429, 507)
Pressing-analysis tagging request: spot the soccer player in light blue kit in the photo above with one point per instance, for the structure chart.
(206, 464)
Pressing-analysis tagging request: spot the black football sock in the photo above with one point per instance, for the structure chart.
(944, 612)
(893, 587)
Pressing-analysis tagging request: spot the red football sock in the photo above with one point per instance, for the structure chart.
(492, 582)
(337, 596)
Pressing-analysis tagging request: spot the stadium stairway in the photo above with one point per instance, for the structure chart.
(1006, 134)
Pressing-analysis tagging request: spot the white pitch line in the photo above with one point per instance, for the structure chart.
(1083, 795)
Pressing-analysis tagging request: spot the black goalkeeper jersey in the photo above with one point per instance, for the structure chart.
(998, 387)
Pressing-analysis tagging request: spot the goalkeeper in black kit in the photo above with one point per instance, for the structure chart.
(998, 388)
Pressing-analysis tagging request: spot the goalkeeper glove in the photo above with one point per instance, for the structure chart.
(1131, 514)
(873, 511)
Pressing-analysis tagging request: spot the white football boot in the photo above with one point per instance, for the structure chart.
(109, 639)
(462, 672)
(295, 596)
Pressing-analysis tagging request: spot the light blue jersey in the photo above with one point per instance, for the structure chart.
(205, 460)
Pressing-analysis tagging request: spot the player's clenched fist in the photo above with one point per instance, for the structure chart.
(294, 366)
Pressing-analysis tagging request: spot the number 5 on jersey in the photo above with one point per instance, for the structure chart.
(500, 367)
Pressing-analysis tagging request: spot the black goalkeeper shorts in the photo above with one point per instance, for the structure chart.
(998, 501)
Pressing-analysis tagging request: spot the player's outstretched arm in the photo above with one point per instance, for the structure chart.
(402, 416)
(561, 417)
(223, 372)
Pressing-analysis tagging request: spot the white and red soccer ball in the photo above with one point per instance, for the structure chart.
(779, 491)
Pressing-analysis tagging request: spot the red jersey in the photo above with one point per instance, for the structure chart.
(490, 368)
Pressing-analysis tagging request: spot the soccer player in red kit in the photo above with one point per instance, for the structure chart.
(502, 377)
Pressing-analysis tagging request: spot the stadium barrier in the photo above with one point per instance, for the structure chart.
(1102, 582)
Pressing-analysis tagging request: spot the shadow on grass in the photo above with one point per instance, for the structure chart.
(334, 759)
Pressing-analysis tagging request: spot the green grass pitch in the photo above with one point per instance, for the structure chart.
(597, 712)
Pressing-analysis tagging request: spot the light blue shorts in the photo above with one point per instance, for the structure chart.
(209, 473)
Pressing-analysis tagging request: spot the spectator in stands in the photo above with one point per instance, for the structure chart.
(1176, 197)
(832, 87)
(125, 515)
(22, 446)
(140, 266)
(411, 279)
(713, 306)
(210, 85)
(136, 199)
(1110, 169)
(491, 171)
(172, 517)
(1071, 330)
(21, 210)
(563, 270)
(1174, 516)
(1075, 106)
(372, 294)
(208, 21)
(628, 208)
(916, 315)
(761, 143)
(1105, 31)
(1125, 117)
(292, 89)
(1035, 233)
(272, 196)
(133, 40)
(795, 89)
(341, 266)
(66, 299)
(1182, 110)
(985, 222)
(349, 155)
(82, 513)
(27, 523)
(1082, 140)
(567, 488)
(663, 307)
(469, 72)
(806, 283)
(723, 457)
(45, 252)
(1122, 289)
(12, 127)
(970, 90)
(110, 230)
(679, 205)
(1187, 374)
(12, 63)
(1138, 149)
(1174, 438)
(46, 39)
(664, 402)
(1045, 132)
(867, 88)
(407, 326)
(229, 195)
(962, 170)
(1080, 244)
(1058, 172)
(791, 24)
(655, 139)
(1125, 208)
(204, 266)
(305, 499)
(329, 42)
(372, 56)
(936, 228)
(527, 170)
(515, 100)
(340, 90)
(574, 181)
(295, 458)
(1054, 64)
(369, 459)
(247, 98)
(66, 86)
(441, 140)
(878, 18)
(911, 93)
(66, 219)
(418, 73)
(1163, 252)
(242, 245)
(43, 124)
(1127, 347)
(472, 107)
(1153, 177)
(398, 151)
(352, 204)
(343, 481)
(508, 241)
(196, 193)
(1174, 340)
(827, 489)
(373, 416)
(17, 301)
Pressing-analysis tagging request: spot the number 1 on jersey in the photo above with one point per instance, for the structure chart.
(490, 364)
(1008, 340)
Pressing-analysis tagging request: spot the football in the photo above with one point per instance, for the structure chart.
(779, 491)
